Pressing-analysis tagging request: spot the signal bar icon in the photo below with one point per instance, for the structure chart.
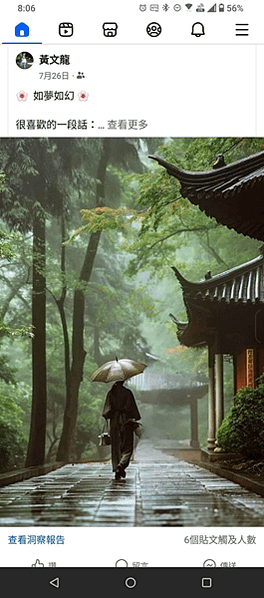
(221, 8)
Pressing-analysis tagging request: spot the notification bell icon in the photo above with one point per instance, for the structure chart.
(198, 29)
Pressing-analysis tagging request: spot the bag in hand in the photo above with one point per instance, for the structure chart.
(135, 426)
(104, 437)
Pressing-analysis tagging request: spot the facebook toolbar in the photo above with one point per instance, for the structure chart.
(134, 24)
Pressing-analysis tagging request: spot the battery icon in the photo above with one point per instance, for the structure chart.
(221, 7)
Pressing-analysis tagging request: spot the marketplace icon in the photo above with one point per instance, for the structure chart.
(110, 29)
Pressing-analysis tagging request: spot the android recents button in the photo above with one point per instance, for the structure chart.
(206, 582)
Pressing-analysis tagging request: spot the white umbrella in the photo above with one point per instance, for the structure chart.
(118, 370)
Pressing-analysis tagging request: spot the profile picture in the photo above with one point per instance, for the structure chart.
(24, 60)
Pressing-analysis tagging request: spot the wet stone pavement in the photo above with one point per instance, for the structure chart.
(159, 490)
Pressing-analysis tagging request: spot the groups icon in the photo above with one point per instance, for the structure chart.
(154, 29)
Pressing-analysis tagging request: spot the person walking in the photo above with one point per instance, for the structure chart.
(121, 409)
(24, 61)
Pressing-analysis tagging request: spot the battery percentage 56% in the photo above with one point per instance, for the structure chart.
(234, 8)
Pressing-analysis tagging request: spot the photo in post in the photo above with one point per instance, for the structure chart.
(132, 340)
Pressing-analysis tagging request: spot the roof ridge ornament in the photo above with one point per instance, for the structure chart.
(219, 162)
(208, 275)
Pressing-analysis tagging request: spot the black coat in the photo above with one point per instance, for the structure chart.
(120, 399)
(119, 407)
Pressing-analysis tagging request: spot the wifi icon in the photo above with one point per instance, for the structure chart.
(188, 6)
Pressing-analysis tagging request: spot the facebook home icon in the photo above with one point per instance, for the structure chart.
(22, 30)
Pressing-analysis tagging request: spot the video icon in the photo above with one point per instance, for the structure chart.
(65, 29)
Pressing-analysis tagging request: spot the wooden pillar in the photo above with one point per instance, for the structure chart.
(234, 375)
(219, 389)
(194, 424)
(211, 401)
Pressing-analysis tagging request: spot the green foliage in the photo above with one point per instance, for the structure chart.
(242, 430)
(12, 447)
(2, 179)
(10, 412)
(15, 408)
(12, 440)
(7, 331)
(104, 218)
(7, 249)
(7, 373)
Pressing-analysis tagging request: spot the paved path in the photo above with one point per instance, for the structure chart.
(159, 490)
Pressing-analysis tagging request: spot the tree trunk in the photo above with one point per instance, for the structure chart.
(36, 446)
(78, 352)
(60, 304)
(97, 354)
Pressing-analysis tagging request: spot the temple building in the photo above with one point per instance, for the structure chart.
(225, 313)
(159, 389)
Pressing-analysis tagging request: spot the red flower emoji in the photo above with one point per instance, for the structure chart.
(83, 96)
(22, 96)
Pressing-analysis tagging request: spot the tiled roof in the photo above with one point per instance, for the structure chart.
(233, 194)
(232, 296)
(245, 284)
